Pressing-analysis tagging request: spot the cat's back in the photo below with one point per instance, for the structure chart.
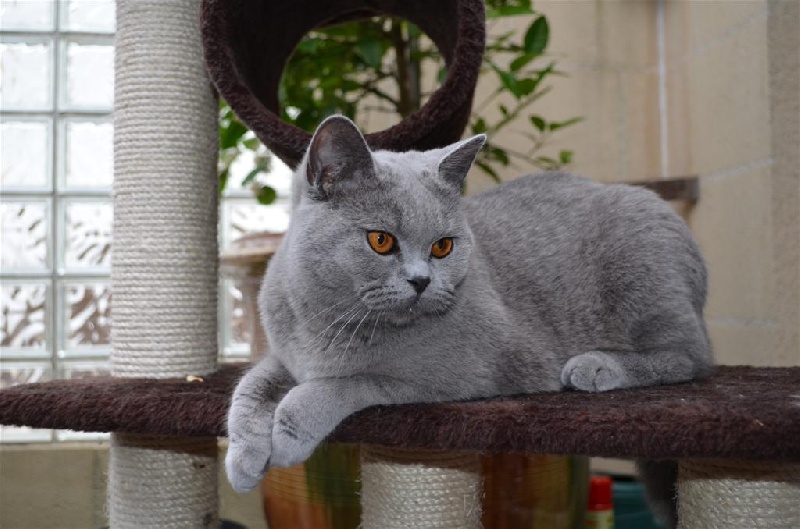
(556, 197)
(560, 232)
(571, 212)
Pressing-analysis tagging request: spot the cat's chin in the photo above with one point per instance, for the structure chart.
(401, 318)
(407, 315)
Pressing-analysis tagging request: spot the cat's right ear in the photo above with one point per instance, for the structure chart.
(455, 165)
(337, 157)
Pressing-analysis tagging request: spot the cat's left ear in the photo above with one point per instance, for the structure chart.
(455, 165)
(337, 156)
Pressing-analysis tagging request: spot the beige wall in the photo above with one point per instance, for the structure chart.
(672, 88)
(733, 120)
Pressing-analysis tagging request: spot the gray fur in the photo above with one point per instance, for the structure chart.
(553, 282)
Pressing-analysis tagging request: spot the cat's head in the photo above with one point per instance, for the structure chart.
(380, 231)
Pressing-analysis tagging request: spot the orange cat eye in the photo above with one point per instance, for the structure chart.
(442, 247)
(380, 241)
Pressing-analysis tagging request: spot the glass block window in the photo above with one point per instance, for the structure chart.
(241, 214)
(56, 174)
(56, 170)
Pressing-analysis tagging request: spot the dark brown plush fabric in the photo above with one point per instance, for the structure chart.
(740, 412)
(247, 43)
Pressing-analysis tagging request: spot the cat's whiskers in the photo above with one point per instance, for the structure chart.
(317, 337)
(356, 330)
(309, 320)
(374, 327)
(345, 324)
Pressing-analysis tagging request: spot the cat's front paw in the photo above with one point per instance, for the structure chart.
(249, 449)
(292, 443)
(246, 463)
(594, 371)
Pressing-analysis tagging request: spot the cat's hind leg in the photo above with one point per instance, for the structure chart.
(667, 350)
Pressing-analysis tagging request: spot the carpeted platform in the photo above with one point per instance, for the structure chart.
(740, 412)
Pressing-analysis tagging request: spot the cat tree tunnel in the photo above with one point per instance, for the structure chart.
(736, 434)
(247, 44)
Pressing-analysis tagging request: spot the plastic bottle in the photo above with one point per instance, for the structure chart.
(600, 508)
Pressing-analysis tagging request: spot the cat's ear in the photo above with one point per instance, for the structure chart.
(338, 154)
(455, 165)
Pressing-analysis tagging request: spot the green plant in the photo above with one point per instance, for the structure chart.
(234, 141)
(377, 65)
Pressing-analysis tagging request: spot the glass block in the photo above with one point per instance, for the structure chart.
(87, 313)
(71, 435)
(238, 320)
(23, 434)
(87, 244)
(25, 154)
(79, 370)
(89, 77)
(14, 373)
(24, 230)
(11, 374)
(23, 316)
(248, 216)
(25, 76)
(98, 16)
(26, 15)
(88, 154)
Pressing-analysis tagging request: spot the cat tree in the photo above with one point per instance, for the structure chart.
(737, 434)
(164, 264)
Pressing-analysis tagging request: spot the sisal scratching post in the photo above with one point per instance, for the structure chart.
(411, 488)
(164, 267)
(736, 493)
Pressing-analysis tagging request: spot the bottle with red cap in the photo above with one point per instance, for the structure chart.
(600, 509)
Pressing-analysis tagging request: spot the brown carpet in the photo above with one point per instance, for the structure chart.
(740, 412)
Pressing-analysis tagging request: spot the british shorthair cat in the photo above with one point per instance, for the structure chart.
(389, 287)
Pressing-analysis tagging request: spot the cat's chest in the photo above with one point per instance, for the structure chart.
(369, 348)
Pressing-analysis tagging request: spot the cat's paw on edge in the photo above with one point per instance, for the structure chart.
(246, 462)
(291, 444)
(593, 371)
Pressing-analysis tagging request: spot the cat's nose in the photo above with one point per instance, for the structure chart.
(420, 283)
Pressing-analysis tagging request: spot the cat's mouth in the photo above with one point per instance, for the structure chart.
(406, 311)
(401, 308)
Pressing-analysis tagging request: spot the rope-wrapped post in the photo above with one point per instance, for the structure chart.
(164, 265)
(723, 494)
(403, 488)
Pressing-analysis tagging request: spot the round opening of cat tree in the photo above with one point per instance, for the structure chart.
(247, 46)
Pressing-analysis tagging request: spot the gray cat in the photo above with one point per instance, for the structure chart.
(389, 288)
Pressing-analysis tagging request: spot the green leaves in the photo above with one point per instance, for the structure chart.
(371, 50)
(508, 11)
(543, 126)
(539, 123)
(234, 140)
(537, 36)
(508, 8)
(555, 125)
(387, 66)
(266, 195)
